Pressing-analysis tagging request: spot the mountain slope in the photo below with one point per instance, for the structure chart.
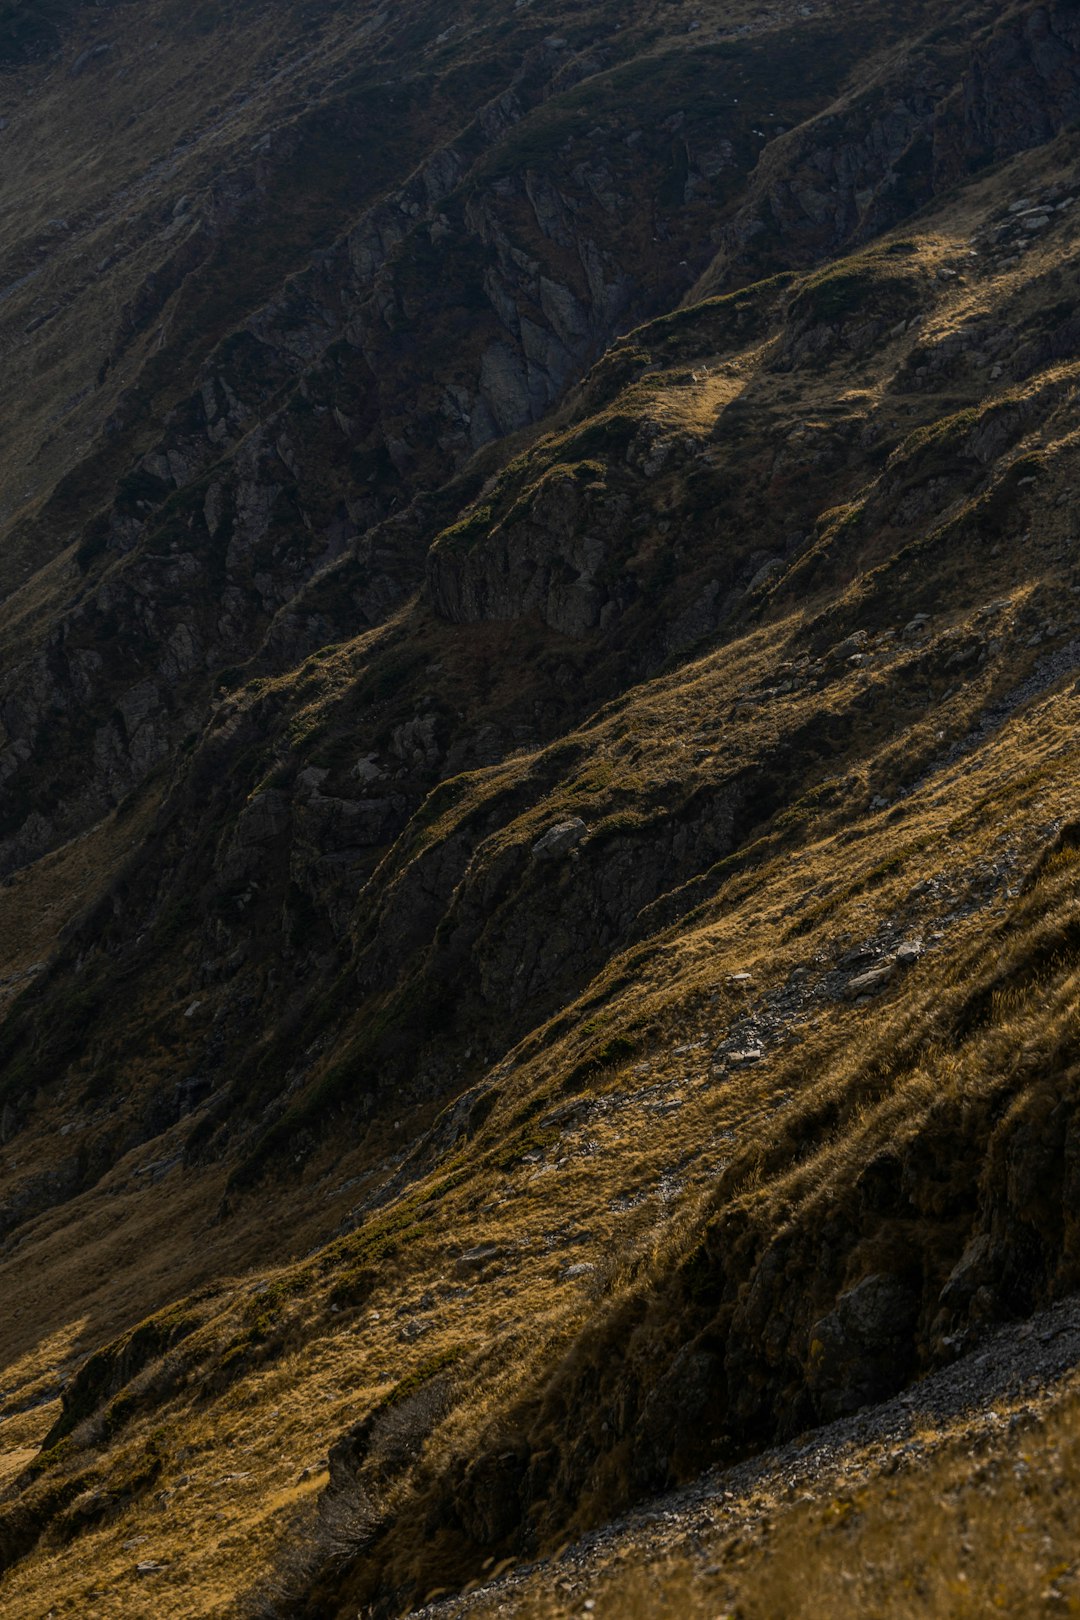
(538, 788)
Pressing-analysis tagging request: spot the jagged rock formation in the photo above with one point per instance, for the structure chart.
(537, 675)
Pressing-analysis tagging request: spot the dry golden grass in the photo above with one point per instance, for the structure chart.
(265, 1427)
(143, 1246)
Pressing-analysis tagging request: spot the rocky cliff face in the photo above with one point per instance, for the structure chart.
(537, 683)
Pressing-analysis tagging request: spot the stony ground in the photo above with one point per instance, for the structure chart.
(692, 1545)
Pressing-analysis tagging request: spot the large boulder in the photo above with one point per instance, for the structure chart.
(862, 1350)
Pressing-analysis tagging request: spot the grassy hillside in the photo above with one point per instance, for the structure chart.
(538, 800)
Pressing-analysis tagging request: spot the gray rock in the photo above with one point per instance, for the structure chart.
(972, 1271)
(504, 387)
(266, 816)
(862, 1350)
(367, 769)
(415, 742)
(489, 1500)
(562, 839)
(312, 778)
(474, 1260)
(674, 1425)
(767, 572)
(868, 984)
(85, 58)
